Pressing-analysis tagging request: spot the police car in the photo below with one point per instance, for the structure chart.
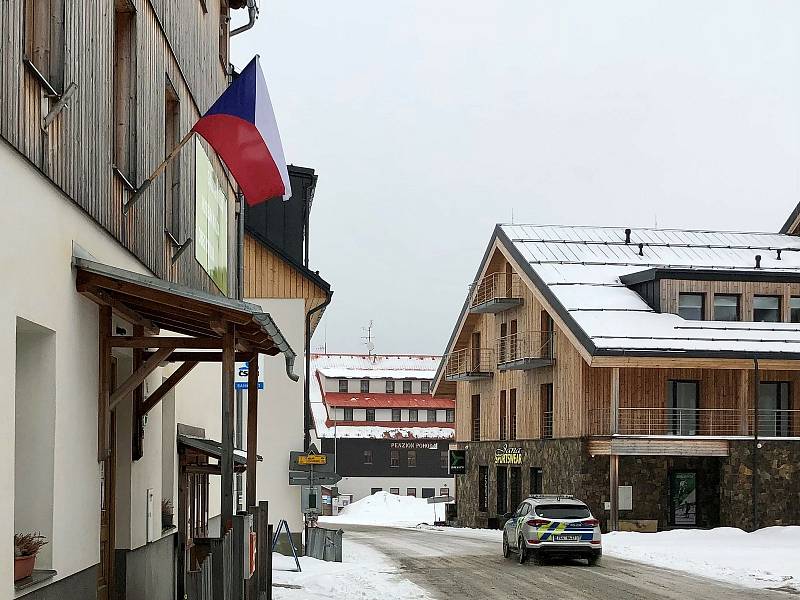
(552, 526)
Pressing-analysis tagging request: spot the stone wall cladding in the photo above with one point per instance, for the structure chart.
(778, 483)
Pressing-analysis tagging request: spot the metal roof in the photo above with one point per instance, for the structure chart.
(212, 448)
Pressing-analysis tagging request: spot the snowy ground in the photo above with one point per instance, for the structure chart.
(363, 575)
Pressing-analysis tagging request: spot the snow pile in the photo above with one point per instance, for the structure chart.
(364, 574)
(767, 558)
(389, 510)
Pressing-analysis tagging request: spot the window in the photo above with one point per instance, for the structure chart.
(224, 25)
(370, 417)
(726, 307)
(691, 306)
(412, 458)
(547, 334)
(547, 410)
(450, 415)
(476, 418)
(396, 415)
(348, 414)
(390, 386)
(431, 416)
(365, 386)
(483, 488)
(406, 387)
(562, 511)
(124, 95)
(475, 367)
(412, 415)
(512, 414)
(44, 42)
(411, 492)
(395, 491)
(794, 309)
(172, 172)
(682, 405)
(503, 421)
(536, 480)
(773, 409)
(443, 459)
(502, 343)
(428, 492)
(394, 458)
(766, 309)
(343, 386)
(375, 490)
(425, 386)
(367, 457)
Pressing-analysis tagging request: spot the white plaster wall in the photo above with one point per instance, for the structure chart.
(376, 386)
(361, 487)
(39, 286)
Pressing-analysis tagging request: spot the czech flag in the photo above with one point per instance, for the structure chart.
(241, 128)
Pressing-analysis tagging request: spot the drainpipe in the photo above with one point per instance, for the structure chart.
(755, 443)
(252, 11)
(307, 387)
(240, 246)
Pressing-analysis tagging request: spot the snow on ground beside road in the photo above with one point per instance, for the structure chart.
(390, 510)
(767, 558)
(364, 574)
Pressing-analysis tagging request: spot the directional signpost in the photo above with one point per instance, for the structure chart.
(304, 478)
(311, 470)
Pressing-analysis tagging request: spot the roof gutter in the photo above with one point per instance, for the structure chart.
(307, 382)
(266, 322)
(252, 11)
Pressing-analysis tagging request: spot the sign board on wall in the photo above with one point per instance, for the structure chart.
(508, 455)
(457, 463)
(210, 220)
(242, 370)
(414, 445)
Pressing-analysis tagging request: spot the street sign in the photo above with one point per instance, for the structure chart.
(458, 462)
(312, 459)
(304, 478)
(312, 499)
(440, 499)
(303, 461)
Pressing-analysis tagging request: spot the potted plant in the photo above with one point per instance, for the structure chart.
(26, 547)
(167, 512)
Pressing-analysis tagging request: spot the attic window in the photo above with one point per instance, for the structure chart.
(766, 309)
(691, 306)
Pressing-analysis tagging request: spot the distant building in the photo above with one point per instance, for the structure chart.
(377, 415)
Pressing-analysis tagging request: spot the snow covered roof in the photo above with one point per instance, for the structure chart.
(579, 270)
(387, 400)
(376, 366)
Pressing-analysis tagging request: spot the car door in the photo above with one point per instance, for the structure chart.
(513, 524)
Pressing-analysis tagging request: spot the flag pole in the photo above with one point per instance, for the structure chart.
(147, 182)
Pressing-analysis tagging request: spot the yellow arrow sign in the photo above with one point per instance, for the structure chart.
(312, 459)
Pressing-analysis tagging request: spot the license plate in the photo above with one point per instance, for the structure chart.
(567, 538)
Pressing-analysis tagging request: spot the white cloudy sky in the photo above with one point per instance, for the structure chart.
(428, 121)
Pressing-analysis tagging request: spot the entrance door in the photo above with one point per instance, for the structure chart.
(683, 498)
(516, 485)
(105, 570)
(475, 367)
(502, 491)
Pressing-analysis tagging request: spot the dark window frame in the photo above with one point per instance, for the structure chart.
(348, 414)
(407, 386)
(413, 415)
(397, 415)
(737, 297)
(369, 416)
(791, 309)
(450, 415)
(475, 407)
(779, 300)
(394, 459)
(702, 296)
(390, 386)
(677, 416)
(368, 457)
(547, 403)
(411, 459)
(364, 383)
(344, 386)
(780, 425)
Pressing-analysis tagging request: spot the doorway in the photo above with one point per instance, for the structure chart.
(502, 491)
(683, 498)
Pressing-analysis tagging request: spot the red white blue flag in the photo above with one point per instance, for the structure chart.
(241, 128)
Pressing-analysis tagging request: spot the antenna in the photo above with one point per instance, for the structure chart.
(368, 338)
(512, 215)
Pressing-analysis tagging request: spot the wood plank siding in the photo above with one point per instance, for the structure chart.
(175, 42)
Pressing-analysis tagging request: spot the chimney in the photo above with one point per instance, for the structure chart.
(641, 249)
(627, 236)
(758, 261)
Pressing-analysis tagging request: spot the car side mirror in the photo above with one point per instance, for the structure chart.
(507, 516)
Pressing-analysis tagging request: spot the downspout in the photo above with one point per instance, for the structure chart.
(756, 445)
(240, 246)
(252, 11)
(307, 387)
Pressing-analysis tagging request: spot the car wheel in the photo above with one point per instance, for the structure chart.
(506, 549)
(522, 549)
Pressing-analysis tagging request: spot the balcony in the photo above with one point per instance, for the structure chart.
(695, 422)
(469, 364)
(525, 351)
(495, 293)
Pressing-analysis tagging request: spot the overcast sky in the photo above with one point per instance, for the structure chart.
(429, 121)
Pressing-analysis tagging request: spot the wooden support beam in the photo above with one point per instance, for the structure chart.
(104, 379)
(179, 356)
(613, 483)
(228, 407)
(169, 383)
(120, 309)
(742, 402)
(135, 341)
(137, 431)
(139, 375)
(218, 326)
(252, 429)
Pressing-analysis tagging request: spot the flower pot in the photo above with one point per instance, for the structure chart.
(23, 566)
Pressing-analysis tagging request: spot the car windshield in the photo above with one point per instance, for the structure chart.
(562, 511)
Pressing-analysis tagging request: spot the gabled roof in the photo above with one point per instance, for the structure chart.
(581, 272)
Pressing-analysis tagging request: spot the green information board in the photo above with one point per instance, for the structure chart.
(211, 220)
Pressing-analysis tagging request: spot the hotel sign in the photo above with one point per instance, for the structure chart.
(507, 455)
(414, 445)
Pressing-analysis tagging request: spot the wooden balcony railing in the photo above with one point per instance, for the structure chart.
(469, 364)
(495, 292)
(527, 349)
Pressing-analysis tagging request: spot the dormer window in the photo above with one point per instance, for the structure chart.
(726, 307)
(766, 309)
(691, 306)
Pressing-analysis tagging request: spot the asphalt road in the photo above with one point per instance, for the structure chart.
(458, 567)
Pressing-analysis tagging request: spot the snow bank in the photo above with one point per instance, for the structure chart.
(364, 574)
(767, 558)
(389, 510)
